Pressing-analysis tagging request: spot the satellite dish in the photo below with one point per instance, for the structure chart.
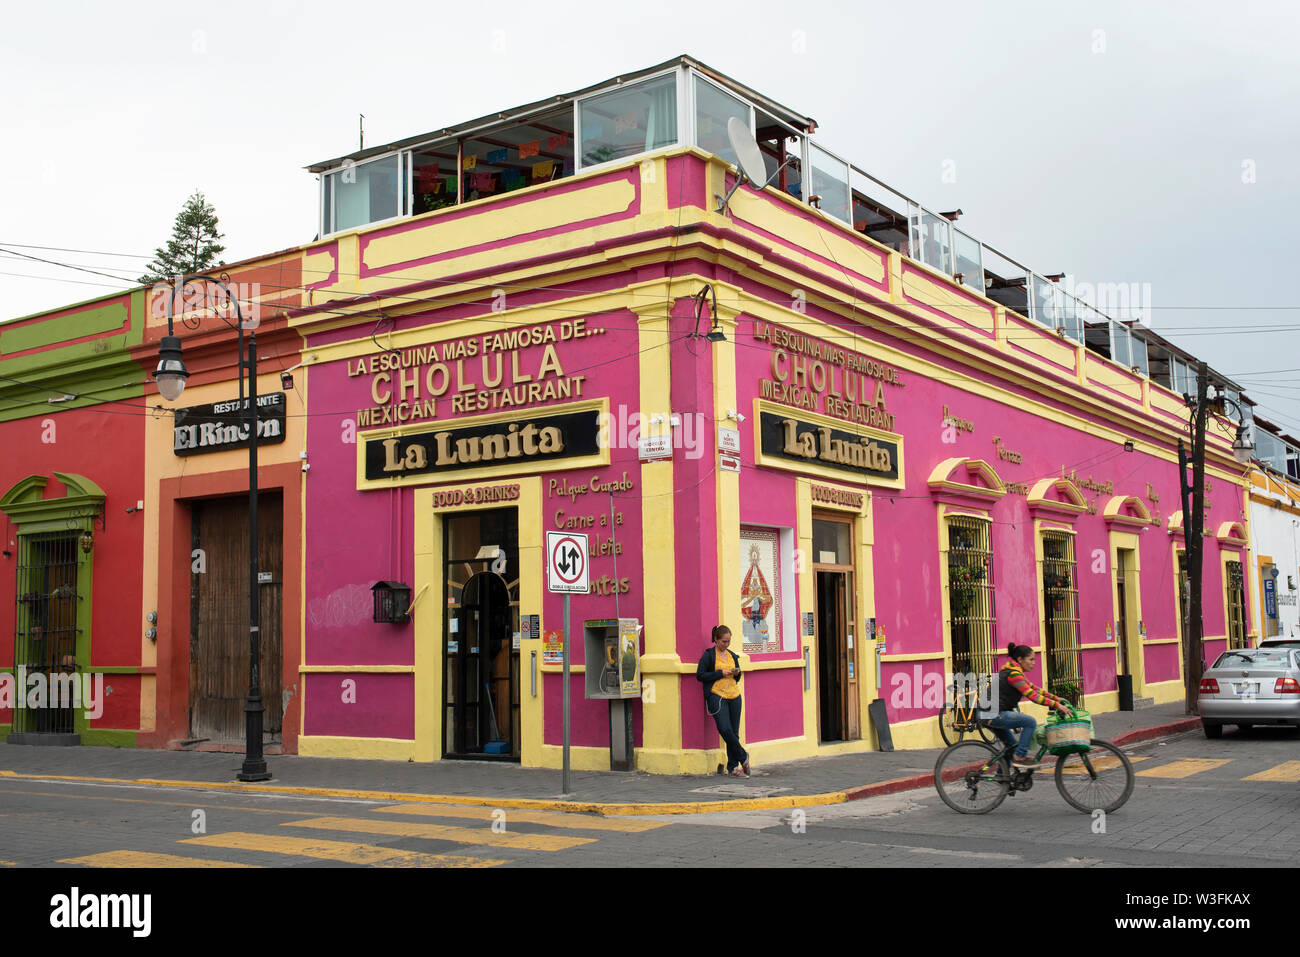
(748, 156)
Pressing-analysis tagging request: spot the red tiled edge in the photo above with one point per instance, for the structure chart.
(918, 781)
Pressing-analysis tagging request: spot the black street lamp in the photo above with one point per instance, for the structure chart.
(170, 376)
(1193, 502)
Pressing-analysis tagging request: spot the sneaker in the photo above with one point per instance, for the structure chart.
(739, 773)
(745, 767)
(1026, 762)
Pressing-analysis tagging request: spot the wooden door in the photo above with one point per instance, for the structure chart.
(219, 638)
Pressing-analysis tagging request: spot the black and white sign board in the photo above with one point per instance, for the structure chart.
(567, 568)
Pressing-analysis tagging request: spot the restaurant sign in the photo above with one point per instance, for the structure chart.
(219, 426)
(796, 441)
(503, 443)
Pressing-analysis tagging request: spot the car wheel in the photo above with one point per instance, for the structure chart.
(1213, 730)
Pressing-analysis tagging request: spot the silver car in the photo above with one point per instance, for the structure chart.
(1251, 686)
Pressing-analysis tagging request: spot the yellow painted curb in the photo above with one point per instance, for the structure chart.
(569, 807)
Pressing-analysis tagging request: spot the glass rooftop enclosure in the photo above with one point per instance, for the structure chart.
(683, 102)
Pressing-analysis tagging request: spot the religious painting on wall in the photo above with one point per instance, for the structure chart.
(760, 590)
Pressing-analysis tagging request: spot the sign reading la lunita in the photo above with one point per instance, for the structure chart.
(865, 456)
(533, 438)
(218, 426)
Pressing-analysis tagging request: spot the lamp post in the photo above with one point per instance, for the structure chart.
(1193, 501)
(170, 376)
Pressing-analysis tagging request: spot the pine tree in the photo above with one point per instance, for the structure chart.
(194, 244)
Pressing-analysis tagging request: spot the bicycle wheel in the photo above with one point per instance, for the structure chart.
(1100, 779)
(950, 718)
(947, 726)
(970, 779)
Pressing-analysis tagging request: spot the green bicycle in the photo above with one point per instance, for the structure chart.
(973, 777)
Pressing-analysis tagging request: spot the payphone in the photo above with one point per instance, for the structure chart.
(612, 649)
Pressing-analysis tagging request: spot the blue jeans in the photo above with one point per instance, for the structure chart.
(1007, 722)
(726, 714)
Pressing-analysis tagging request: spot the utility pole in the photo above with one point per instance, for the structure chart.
(1194, 541)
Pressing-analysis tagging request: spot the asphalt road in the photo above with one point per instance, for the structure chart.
(1232, 803)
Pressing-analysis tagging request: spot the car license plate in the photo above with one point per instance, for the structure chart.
(1247, 687)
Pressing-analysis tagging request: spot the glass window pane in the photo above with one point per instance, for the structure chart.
(366, 193)
(327, 200)
(776, 142)
(930, 239)
(831, 543)
(830, 180)
(636, 119)
(539, 150)
(712, 110)
(1067, 314)
(1119, 350)
(969, 266)
(1138, 354)
(1045, 295)
(434, 169)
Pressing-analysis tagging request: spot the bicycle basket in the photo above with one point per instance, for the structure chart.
(1069, 735)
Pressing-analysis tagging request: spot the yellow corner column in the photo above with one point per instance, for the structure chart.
(726, 484)
(427, 546)
(661, 707)
(807, 586)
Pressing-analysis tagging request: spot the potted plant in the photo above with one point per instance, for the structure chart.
(1056, 585)
(963, 585)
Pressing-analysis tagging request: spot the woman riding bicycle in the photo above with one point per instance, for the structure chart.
(1012, 686)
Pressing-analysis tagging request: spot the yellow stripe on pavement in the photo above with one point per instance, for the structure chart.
(146, 859)
(1185, 768)
(578, 821)
(345, 851)
(1286, 771)
(440, 832)
(1074, 766)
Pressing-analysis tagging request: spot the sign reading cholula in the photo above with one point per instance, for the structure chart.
(486, 373)
(501, 444)
(814, 375)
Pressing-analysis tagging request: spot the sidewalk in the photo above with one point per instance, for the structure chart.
(809, 781)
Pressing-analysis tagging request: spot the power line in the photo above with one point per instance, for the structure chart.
(64, 249)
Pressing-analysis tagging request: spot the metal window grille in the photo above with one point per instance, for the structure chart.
(1236, 606)
(45, 631)
(1063, 655)
(969, 592)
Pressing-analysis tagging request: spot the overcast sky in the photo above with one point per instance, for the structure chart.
(1152, 143)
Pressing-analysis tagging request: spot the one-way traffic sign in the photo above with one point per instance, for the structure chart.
(566, 563)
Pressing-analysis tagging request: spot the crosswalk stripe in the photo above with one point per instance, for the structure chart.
(1184, 768)
(146, 859)
(1105, 763)
(440, 832)
(345, 851)
(584, 822)
(1286, 771)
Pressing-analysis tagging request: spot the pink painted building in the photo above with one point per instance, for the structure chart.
(819, 413)
(897, 452)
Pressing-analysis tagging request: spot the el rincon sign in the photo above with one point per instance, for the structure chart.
(218, 426)
(799, 442)
(509, 444)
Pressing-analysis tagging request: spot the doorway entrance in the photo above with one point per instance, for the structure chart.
(834, 615)
(481, 664)
(219, 617)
